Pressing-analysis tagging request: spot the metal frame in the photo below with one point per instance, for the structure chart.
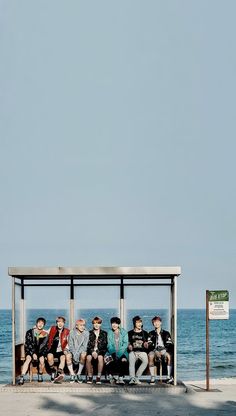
(121, 277)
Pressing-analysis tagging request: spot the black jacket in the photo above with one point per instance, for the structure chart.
(31, 345)
(102, 342)
(167, 341)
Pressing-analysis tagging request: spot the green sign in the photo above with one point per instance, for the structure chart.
(218, 295)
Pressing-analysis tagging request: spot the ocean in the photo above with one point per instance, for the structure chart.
(191, 339)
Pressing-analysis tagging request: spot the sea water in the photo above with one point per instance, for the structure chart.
(191, 339)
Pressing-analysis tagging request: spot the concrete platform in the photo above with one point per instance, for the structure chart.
(106, 388)
(100, 401)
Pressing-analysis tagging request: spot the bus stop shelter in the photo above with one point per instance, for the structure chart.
(73, 279)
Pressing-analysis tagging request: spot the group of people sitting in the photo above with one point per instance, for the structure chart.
(117, 350)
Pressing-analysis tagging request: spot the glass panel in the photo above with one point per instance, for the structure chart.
(47, 302)
(19, 316)
(102, 301)
(147, 301)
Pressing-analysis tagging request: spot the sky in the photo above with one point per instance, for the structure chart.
(117, 139)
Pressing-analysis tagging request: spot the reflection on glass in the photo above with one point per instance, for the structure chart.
(147, 302)
(19, 317)
(46, 302)
(96, 301)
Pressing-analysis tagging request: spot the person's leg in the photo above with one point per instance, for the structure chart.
(82, 360)
(69, 363)
(121, 366)
(50, 358)
(100, 368)
(111, 370)
(62, 362)
(151, 357)
(144, 362)
(26, 365)
(168, 359)
(41, 368)
(89, 368)
(132, 360)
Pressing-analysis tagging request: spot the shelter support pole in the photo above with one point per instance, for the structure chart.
(122, 303)
(13, 334)
(72, 305)
(207, 343)
(174, 323)
(22, 312)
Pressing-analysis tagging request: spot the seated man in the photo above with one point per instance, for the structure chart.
(78, 342)
(35, 349)
(160, 346)
(137, 347)
(97, 346)
(116, 358)
(58, 348)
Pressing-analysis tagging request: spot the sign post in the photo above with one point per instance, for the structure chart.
(217, 307)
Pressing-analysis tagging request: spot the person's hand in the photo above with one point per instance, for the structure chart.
(145, 344)
(94, 355)
(35, 357)
(123, 359)
(130, 347)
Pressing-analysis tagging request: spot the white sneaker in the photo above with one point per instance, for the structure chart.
(138, 381)
(120, 380)
(111, 379)
(133, 380)
(152, 381)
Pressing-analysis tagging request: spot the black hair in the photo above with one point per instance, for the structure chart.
(115, 320)
(136, 318)
(41, 319)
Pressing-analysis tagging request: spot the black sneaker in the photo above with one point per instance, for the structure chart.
(53, 375)
(98, 380)
(40, 378)
(21, 381)
(89, 380)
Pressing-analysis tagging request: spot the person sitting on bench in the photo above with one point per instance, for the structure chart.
(137, 347)
(58, 348)
(35, 349)
(78, 342)
(116, 358)
(160, 346)
(97, 346)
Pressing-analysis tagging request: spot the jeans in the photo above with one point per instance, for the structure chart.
(133, 357)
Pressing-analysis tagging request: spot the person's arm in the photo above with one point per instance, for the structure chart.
(168, 342)
(90, 346)
(124, 344)
(84, 344)
(130, 341)
(102, 346)
(145, 339)
(44, 349)
(110, 343)
(150, 341)
(29, 350)
(71, 343)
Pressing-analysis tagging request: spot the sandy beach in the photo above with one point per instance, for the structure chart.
(193, 400)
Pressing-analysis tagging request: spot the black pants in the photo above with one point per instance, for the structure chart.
(117, 367)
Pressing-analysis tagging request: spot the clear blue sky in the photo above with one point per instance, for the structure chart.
(117, 138)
